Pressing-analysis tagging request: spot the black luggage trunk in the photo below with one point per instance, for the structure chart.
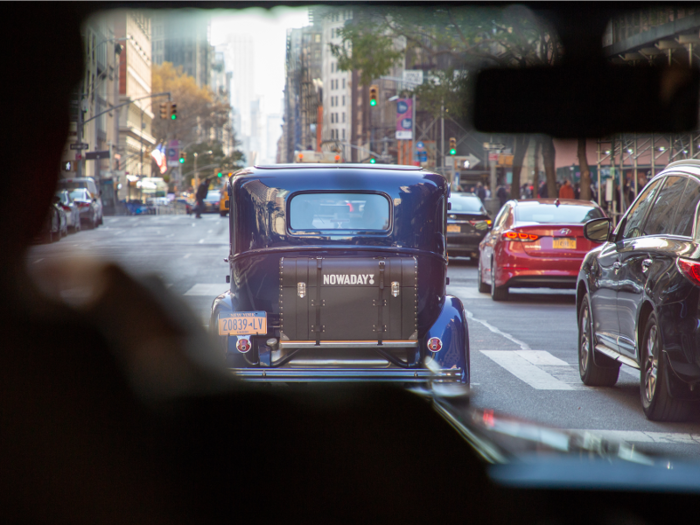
(348, 299)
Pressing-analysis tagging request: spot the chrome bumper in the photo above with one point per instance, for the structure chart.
(288, 375)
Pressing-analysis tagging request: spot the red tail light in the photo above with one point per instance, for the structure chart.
(65, 208)
(84, 204)
(512, 236)
(691, 269)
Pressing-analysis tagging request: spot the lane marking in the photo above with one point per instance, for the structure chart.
(641, 436)
(187, 255)
(522, 368)
(171, 235)
(464, 292)
(206, 289)
(209, 231)
(541, 357)
(201, 241)
(523, 345)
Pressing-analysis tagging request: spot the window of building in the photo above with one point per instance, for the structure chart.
(343, 95)
(343, 116)
(332, 67)
(343, 128)
(343, 85)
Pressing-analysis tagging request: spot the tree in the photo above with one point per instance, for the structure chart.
(450, 42)
(198, 109)
(585, 170)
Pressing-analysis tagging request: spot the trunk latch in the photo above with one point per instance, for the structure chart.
(395, 290)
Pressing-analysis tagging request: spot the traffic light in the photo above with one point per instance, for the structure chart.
(453, 146)
(173, 111)
(183, 157)
(164, 110)
(219, 174)
(372, 160)
(373, 95)
(337, 158)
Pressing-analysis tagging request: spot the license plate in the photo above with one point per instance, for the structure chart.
(453, 228)
(564, 243)
(243, 323)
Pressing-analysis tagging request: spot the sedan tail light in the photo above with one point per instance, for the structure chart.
(65, 208)
(691, 269)
(512, 236)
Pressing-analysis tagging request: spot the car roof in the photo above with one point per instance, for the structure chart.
(318, 165)
(566, 202)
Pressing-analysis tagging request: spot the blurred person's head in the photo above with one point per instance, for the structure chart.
(42, 64)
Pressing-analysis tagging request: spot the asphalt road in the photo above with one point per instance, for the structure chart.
(523, 351)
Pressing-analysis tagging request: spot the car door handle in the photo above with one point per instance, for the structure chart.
(645, 265)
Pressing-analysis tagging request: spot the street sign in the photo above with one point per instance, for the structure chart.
(78, 156)
(97, 155)
(79, 146)
(473, 160)
(404, 119)
(420, 145)
(493, 157)
(413, 76)
(489, 146)
(423, 156)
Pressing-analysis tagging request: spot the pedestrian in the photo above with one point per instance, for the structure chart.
(488, 191)
(481, 192)
(502, 195)
(543, 190)
(202, 191)
(577, 191)
(566, 191)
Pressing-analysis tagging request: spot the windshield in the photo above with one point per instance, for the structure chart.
(80, 194)
(466, 204)
(339, 211)
(551, 213)
(543, 328)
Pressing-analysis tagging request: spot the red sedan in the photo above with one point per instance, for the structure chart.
(535, 243)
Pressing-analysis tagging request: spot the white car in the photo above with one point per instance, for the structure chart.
(89, 184)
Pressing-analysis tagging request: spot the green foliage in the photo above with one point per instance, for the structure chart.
(367, 49)
(210, 164)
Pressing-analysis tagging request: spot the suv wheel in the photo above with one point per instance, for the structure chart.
(592, 374)
(657, 402)
(483, 288)
(498, 293)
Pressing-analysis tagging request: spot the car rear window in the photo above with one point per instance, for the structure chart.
(551, 213)
(466, 204)
(339, 211)
(81, 194)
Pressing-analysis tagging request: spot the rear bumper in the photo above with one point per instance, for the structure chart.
(419, 375)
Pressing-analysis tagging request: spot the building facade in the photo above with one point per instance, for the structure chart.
(135, 139)
(182, 38)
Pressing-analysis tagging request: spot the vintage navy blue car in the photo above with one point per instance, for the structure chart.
(338, 272)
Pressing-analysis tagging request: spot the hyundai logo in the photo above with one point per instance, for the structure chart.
(565, 231)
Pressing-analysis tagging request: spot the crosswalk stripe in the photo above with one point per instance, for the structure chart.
(206, 289)
(527, 365)
(640, 436)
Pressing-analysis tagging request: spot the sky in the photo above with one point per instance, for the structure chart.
(268, 28)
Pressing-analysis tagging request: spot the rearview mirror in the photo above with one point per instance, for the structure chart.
(597, 230)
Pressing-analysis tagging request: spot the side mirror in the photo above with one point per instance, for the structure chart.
(597, 230)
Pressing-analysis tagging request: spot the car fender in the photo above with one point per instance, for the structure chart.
(223, 304)
(452, 330)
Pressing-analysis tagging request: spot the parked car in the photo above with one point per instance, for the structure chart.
(648, 273)
(357, 292)
(211, 202)
(90, 185)
(71, 209)
(87, 205)
(535, 243)
(468, 222)
(51, 231)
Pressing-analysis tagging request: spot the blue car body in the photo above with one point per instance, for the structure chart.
(323, 334)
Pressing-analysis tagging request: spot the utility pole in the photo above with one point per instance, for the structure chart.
(442, 139)
(413, 131)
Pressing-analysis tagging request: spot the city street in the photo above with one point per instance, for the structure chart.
(523, 351)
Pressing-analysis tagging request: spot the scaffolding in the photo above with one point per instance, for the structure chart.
(626, 160)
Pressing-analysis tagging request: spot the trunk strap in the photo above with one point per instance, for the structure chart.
(380, 304)
(319, 279)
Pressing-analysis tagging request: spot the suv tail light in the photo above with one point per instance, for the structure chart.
(512, 236)
(691, 269)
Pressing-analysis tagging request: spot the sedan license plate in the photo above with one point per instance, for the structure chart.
(453, 228)
(564, 243)
(243, 323)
